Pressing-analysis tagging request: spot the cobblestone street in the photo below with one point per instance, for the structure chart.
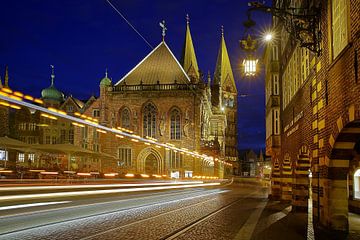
(233, 212)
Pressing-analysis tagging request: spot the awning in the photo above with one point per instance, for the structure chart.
(12, 143)
(69, 149)
(62, 149)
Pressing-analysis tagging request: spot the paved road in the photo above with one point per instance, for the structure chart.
(225, 212)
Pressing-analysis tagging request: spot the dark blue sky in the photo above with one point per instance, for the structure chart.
(81, 38)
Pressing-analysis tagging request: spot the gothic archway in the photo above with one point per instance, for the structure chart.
(150, 161)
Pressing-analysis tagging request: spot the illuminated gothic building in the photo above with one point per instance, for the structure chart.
(167, 100)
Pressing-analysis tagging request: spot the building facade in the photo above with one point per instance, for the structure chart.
(319, 114)
(167, 100)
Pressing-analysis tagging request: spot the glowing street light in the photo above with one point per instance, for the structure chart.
(268, 37)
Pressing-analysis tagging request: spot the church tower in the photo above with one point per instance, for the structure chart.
(188, 58)
(224, 97)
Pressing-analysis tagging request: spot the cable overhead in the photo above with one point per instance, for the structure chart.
(127, 21)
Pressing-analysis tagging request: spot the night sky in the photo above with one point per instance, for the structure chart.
(81, 38)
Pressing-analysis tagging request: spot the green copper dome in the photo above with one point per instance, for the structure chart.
(51, 93)
(105, 82)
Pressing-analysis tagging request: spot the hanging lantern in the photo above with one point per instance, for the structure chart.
(249, 45)
(249, 66)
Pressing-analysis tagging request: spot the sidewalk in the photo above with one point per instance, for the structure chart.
(277, 222)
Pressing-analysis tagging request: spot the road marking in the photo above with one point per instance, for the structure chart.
(247, 230)
(95, 192)
(31, 205)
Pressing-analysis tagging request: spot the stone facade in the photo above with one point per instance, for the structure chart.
(204, 113)
(320, 117)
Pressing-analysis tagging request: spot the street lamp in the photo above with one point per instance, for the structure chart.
(249, 45)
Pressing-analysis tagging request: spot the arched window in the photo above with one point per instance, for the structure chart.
(149, 120)
(125, 118)
(357, 184)
(175, 127)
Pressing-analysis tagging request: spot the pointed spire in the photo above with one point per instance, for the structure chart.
(6, 83)
(106, 73)
(52, 74)
(188, 59)
(223, 71)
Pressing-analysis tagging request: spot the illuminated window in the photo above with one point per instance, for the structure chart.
(31, 157)
(175, 159)
(276, 84)
(149, 120)
(357, 184)
(175, 129)
(275, 53)
(21, 157)
(339, 26)
(250, 67)
(3, 155)
(125, 118)
(124, 157)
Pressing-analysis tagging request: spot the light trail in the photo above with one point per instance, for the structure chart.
(31, 205)
(97, 186)
(96, 192)
(78, 121)
(141, 197)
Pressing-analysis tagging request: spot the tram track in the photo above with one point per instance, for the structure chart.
(191, 196)
(179, 231)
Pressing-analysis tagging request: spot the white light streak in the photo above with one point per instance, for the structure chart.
(31, 205)
(96, 192)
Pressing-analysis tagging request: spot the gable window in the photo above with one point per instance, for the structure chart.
(96, 113)
(125, 118)
(339, 26)
(175, 126)
(149, 120)
(69, 109)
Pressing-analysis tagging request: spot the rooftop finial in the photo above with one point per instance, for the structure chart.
(106, 73)
(52, 74)
(208, 78)
(162, 25)
(187, 19)
(222, 30)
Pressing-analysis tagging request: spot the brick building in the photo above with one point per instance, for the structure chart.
(319, 129)
(164, 99)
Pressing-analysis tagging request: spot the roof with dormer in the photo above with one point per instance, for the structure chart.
(159, 66)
